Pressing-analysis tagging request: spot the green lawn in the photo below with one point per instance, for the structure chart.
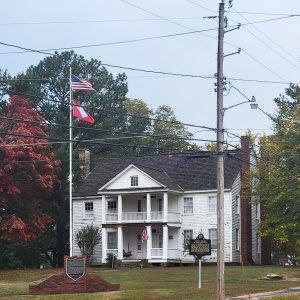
(159, 283)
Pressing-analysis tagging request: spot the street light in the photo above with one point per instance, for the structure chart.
(252, 101)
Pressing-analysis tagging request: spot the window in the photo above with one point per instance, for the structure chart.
(237, 205)
(212, 233)
(188, 205)
(187, 236)
(212, 204)
(112, 206)
(237, 239)
(257, 211)
(89, 210)
(257, 243)
(134, 180)
(112, 240)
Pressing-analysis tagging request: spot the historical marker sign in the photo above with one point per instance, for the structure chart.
(200, 246)
(75, 267)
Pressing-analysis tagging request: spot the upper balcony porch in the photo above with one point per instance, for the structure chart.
(140, 208)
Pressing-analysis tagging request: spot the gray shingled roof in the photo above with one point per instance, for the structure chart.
(176, 172)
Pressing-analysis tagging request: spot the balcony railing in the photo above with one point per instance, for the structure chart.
(111, 218)
(174, 217)
(129, 217)
(134, 216)
(157, 215)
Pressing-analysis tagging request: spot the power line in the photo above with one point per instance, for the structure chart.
(23, 48)
(91, 141)
(260, 81)
(263, 42)
(109, 111)
(135, 134)
(163, 73)
(160, 72)
(43, 51)
(264, 65)
(260, 13)
(251, 23)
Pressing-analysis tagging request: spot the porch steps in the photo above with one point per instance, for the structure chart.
(132, 263)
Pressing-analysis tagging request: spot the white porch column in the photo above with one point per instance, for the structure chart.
(165, 241)
(120, 242)
(148, 207)
(103, 209)
(104, 244)
(149, 242)
(120, 208)
(166, 207)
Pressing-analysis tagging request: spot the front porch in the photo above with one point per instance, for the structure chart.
(125, 242)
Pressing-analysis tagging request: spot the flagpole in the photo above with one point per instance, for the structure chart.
(70, 168)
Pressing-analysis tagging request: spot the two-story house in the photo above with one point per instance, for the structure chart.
(149, 207)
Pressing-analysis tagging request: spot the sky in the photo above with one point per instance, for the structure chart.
(270, 51)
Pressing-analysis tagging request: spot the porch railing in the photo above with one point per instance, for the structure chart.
(113, 251)
(174, 254)
(156, 252)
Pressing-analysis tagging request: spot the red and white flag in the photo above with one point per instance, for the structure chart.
(144, 235)
(79, 112)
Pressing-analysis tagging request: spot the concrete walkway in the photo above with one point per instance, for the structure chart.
(266, 295)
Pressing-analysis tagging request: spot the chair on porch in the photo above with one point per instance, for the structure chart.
(128, 253)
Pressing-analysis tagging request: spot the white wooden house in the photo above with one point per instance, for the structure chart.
(173, 197)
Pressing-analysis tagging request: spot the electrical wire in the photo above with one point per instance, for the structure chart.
(248, 54)
(110, 111)
(43, 51)
(264, 43)
(46, 51)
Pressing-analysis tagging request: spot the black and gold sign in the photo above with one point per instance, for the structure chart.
(200, 246)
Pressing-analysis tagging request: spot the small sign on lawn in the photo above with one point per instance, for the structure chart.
(200, 246)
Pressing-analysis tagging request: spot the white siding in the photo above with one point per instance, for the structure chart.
(173, 203)
(124, 182)
(201, 219)
(79, 221)
(236, 222)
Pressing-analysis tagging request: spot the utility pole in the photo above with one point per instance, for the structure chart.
(220, 160)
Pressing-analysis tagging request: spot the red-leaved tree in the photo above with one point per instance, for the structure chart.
(27, 171)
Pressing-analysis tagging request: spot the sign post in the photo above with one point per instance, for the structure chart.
(200, 247)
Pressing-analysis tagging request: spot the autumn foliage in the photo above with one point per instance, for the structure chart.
(27, 171)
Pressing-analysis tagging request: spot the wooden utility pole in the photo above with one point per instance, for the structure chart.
(220, 160)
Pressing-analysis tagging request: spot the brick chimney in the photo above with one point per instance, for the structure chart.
(84, 156)
(245, 206)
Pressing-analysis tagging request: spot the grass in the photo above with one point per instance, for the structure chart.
(158, 283)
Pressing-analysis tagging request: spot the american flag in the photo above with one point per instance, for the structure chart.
(144, 235)
(80, 84)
